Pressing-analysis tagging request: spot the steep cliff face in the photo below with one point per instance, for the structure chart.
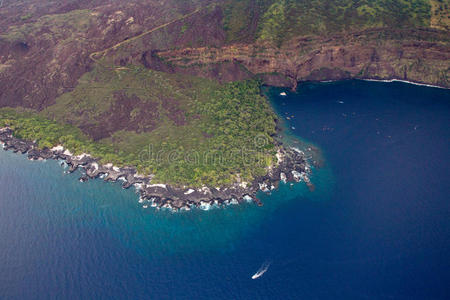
(113, 77)
(47, 46)
(417, 55)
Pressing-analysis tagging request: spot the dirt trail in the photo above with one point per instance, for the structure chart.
(94, 55)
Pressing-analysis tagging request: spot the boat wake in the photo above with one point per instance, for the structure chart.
(264, 267)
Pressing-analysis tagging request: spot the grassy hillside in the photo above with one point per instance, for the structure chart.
(185, 130)
(92, 73)
(279, 20)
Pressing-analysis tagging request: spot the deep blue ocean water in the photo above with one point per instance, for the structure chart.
(376, 227)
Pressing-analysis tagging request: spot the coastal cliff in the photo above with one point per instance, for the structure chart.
(281, 41)
(120, 79)
(416, 55)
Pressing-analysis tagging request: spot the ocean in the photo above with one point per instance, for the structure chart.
(377, 225)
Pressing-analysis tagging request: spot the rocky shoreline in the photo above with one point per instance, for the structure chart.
(292, 167)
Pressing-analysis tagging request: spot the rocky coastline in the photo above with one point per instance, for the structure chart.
(292, 166)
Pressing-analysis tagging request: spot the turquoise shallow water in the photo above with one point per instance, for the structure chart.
(377, 225)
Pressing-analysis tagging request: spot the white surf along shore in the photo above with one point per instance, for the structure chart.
(291, 167)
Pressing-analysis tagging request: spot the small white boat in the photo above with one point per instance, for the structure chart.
(283, 94)
(263, 269)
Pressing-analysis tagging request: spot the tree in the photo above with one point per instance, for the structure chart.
(274, 23)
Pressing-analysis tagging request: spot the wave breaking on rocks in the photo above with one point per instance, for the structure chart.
(292, 166)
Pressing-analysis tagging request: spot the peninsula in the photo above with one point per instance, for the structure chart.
(167, 95)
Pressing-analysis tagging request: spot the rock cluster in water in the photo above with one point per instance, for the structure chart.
(292, 167)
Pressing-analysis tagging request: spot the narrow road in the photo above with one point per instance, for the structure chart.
(94, 55)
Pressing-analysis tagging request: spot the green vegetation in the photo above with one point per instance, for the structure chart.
(227, 130)
(282, 19)
(28, 125)
(184, 28)
(184, 129)
(274, 22)
(240, 15)
(59, 26)
(26, 17)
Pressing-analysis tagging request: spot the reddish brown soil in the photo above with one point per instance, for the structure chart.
(120, 116)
